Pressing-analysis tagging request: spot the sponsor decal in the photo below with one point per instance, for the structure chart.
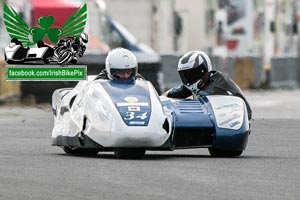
(234, 123)
(235, 116)
(131, 99)
(134, 108)
(136, 122)
(228, 111)
(231, 106)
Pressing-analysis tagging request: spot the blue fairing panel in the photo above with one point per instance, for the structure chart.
(132, 101)
(195, 126)
(192, 124)
(190, 113)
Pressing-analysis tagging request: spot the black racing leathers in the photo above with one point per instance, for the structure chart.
(217, 84)
(102, 75)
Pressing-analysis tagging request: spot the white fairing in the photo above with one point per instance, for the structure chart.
(10, 51)
(230, 112)
(39, 52)
(104, 123)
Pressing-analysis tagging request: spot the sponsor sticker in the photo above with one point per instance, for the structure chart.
(131, 99)
(134, 108)
(227, 121)
(234, 123)
(136, 122)
(230, 106)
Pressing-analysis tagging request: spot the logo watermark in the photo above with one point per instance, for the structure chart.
(46, 73)
(27, 43)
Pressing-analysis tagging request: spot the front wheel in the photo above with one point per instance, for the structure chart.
(80, 151)
(64, 57)
(73, 61)
(224, 153)
(129, 153)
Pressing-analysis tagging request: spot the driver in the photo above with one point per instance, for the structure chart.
(198, 79)
(121, 65)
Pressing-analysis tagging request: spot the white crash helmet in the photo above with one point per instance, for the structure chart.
(193, 68)
(120, 59)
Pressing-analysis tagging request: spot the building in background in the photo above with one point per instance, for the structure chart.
(198, 25)
(225, 27)
(151, 21)
(240, 27)
(168, 26)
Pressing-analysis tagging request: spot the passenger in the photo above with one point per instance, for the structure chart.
(120, 64)
(198, 79)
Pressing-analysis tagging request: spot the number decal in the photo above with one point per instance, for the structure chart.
(129, 116)
(142, 116)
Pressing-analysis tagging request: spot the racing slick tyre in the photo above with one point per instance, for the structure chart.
(46, 60)
(73, 61)
(129, 153)
(48, 56)
(65, 57)
(224, 153)
(79, 151)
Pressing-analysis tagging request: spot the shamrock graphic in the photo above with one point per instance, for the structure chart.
(45, 23)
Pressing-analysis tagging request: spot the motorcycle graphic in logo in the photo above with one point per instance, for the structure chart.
(67, 49)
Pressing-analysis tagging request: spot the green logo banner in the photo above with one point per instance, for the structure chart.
(43, 73)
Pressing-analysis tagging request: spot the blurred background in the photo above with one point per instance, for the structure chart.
(254, 42)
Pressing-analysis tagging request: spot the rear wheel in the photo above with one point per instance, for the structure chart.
(224, 153)
(48, 56)
(80, 151)
(46, 60)
(129, 153)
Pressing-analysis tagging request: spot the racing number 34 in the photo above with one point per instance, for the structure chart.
(132, 115)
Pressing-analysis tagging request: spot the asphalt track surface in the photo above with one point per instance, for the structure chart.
(269, 168)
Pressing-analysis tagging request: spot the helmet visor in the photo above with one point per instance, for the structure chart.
(191, 76)
(123, 74)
